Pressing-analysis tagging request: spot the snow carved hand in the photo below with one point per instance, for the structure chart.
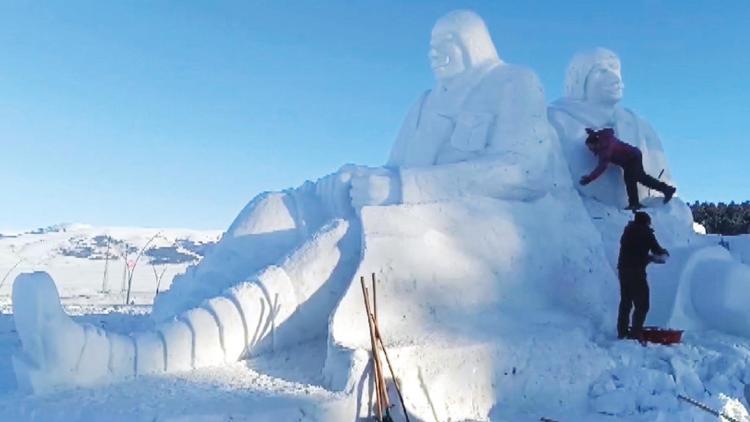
(333, 190)
(376, 186)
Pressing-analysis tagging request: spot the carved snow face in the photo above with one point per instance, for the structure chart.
(604, 84)
(446, 57)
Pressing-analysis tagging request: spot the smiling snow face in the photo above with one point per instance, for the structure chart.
(604, 83)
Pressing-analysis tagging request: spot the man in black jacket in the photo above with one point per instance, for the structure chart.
(637, 245)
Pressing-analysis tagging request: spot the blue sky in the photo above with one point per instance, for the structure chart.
(175, 114)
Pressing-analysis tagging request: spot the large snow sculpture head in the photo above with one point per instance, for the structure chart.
(460, 42)
(594, 76)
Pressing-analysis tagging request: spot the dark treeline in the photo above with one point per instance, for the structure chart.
(727, 219)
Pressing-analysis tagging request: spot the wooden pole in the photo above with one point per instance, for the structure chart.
(384, 390)
(374, 350)
(393, 374)
(380, 381)
(374, 300)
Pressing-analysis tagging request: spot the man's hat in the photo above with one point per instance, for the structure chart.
(642, 218)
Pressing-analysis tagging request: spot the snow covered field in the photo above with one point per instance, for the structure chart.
(97, 261)
(631, 382)
(266, 388)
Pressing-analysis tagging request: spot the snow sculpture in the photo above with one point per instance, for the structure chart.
(466, 223)
(683, 293)
(493, 238)
(593, 90)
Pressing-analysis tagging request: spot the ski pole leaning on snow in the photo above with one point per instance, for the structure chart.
(706, 408)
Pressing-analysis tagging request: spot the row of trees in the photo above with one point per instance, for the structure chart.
(726, 219)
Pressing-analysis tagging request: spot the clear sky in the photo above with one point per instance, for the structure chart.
(175, 114)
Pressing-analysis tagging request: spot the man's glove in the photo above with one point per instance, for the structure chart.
(658, 259)
(585, 180)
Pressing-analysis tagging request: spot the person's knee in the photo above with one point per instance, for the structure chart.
(642, 305)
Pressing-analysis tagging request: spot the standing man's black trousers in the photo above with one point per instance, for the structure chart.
(633, 292)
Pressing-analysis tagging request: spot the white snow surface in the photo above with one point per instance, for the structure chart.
(75, 256)
(496, 283)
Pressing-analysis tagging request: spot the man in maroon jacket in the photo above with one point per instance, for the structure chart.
(608, 149)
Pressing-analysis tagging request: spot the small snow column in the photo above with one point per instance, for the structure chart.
(264, 304)
(231, 327)
(178, 339)
(149, 353)
(206, 344)
(121, 356)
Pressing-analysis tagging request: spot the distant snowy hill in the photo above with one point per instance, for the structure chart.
(85, 259)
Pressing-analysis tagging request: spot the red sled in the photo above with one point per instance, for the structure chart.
(661, 335)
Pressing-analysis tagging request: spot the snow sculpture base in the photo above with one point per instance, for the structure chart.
(471, 276)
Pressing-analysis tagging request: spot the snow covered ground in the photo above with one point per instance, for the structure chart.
(621, 379)
(97, 261)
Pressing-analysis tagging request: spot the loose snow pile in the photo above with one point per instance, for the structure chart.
(497, 287)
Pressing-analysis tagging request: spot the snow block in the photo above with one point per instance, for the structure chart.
(254, 309)
(179, 342)
(93, 364)
(281, 300)
(206, 338)
(149, 353)
(231, 327)
(121, 356)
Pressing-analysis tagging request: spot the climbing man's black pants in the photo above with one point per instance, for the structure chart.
(633, 173)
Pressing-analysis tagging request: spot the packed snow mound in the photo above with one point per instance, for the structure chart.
(738, 246)
(445, 266)
(270, 227)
